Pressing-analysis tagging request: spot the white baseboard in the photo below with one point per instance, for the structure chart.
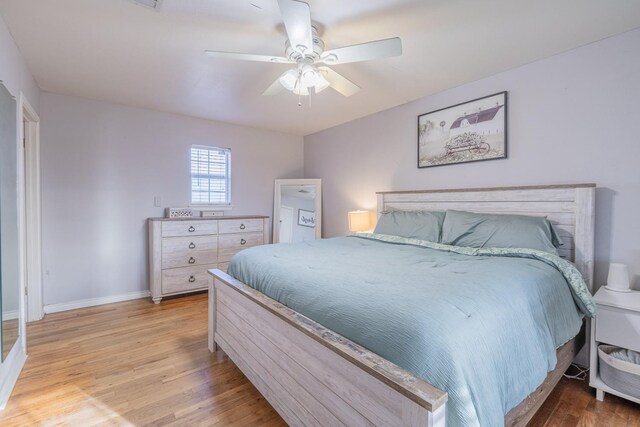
(10, 315)
(65, 306)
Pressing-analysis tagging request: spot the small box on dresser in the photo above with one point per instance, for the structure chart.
(181, 250)
(617, 323)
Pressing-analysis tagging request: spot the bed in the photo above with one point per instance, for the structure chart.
(315, 376)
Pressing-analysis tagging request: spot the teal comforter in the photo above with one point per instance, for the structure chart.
(481, 324)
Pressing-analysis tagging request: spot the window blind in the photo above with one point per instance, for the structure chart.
(210, 175)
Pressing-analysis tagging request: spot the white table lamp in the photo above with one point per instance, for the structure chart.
(618, 279)
(359, 221)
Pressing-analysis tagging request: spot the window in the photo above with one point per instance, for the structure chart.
(210, 175)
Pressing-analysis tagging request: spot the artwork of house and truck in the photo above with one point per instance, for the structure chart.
(472, 131)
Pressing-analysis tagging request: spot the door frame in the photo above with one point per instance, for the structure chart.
(30, 134)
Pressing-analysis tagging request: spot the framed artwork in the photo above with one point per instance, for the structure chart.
(306, 218)
(468, 132)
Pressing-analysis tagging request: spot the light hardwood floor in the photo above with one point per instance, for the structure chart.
(131, 364)
(136, 363)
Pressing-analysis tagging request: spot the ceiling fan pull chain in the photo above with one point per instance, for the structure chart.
(299, 86)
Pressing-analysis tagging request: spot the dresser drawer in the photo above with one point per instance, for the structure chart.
(189, 228)
(188, 259)
(186, 251)
(618, 327)
(186, 279)
(240, 226)
(231, 244)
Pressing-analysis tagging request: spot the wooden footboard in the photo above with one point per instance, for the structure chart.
(309, 374)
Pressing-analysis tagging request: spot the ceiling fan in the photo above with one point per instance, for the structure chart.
(306, 50)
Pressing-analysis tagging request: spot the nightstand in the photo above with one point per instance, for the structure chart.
(617, 323)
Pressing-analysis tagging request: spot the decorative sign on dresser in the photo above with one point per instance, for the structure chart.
(181, 250)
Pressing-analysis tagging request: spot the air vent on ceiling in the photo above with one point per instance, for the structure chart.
(151, 4)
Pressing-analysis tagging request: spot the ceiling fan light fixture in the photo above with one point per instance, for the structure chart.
(301, 90)
(322, 83)
(309, 76)
(289, 79)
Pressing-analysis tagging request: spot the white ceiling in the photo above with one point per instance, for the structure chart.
(117, 51)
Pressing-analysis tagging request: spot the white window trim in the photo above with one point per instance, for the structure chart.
(203, 207)
(209, 206)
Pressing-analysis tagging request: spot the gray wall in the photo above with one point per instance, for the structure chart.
(102, 165)
(572, 118)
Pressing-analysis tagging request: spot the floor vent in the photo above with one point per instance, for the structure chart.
(151, 4)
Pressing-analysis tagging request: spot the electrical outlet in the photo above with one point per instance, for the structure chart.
(157, 201)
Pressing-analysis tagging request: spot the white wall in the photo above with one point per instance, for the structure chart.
(572, 118)
(102, 165)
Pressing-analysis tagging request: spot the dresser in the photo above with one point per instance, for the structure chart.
(182, 250)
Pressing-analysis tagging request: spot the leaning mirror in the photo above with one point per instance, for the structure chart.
(9, 248)
(297, 210)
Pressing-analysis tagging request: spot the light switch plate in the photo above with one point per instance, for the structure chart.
(157, 201)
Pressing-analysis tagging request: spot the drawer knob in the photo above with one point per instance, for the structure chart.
(192, 260)
(192, 279)
(191, 229)
(242, 227)
(243, 242)
(192, 245)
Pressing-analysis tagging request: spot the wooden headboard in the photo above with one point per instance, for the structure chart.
(570, 208)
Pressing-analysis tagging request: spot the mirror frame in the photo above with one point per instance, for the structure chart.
(18, 341)
(277, 195)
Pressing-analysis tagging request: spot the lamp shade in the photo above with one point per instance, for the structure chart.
(321, 84)
(618, 277)
(289, 79)
(359, 221)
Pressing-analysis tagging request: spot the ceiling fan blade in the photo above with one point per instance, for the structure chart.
(363, 52)
(339, 83)
(275, 88)
(297, 21)
(247, 57)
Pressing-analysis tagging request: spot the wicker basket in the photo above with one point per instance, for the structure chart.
(619, 374)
